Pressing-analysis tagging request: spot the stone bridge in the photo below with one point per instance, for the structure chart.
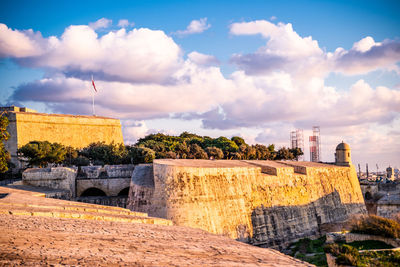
(88, 181)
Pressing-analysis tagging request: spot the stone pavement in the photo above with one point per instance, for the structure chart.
(37, 239)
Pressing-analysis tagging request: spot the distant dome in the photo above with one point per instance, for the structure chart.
(343, 146)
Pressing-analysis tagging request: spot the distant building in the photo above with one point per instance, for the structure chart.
(78, 131)
(389, 172)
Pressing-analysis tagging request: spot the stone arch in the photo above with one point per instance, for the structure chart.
(93, 192)
(368, 196)
(124, 192)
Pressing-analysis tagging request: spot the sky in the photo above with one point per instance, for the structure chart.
(255, 69)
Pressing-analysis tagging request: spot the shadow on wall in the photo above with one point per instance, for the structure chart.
(278, 226)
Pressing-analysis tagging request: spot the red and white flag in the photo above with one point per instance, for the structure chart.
(94, 86)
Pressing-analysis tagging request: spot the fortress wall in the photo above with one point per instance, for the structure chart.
(55, 178)
(75, 131)
(69, 130)
(233, 200)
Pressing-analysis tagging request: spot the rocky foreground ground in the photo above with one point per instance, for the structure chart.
(39, 240)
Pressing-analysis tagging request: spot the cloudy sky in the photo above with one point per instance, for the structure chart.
(257, 69)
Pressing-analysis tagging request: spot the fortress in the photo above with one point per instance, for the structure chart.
(265, 203)
(70, 130)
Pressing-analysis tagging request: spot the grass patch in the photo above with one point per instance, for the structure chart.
(369, 244)
(305, 246)
(348, 255)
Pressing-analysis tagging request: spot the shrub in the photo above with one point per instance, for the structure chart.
(346, 255)
(375, 225)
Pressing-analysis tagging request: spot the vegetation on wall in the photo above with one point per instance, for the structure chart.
(375, 225)
(4, 155)
(154, 146)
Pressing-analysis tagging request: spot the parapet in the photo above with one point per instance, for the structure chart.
(106, 172)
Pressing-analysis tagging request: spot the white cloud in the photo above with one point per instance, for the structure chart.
(195, 26)
(133, 130)
(142, 75)
(301, 56)
(364, 44)
(100, 24)
(139, 55)
(272, 18)
(203, 59)
(19, 44)
(123, 23)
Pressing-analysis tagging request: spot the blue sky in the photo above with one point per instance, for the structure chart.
(249, 68)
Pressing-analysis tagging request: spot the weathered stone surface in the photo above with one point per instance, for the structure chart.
(389, 205)
(56, 178)
(237, 199)
(112, 180)
(37, 231)
(141, 188)
(110, 186)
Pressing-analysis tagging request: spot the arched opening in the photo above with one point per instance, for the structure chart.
(368, 196)
(124, 192)
(93, 192)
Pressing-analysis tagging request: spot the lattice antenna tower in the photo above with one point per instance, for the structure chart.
(297, 140)
(315, 145)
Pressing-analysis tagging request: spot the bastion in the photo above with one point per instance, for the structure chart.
(266, 203)
(78, 131)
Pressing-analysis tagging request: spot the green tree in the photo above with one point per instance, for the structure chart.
(141, 154)
(41, 153)
(4, 155)
(238, 140)
(196, 152)
(101, 153)
(214, 152)
(284, 154)
(296, 152)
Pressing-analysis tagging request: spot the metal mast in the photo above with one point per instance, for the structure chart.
(315, 145)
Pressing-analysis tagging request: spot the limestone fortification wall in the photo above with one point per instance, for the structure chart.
(55, 178)
(69, 130)
(237, 199)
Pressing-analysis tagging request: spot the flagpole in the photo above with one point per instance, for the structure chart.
(94, 113)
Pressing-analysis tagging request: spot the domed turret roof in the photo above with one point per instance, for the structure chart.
(343, 146)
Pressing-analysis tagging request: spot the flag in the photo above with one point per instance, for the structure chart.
(94, 86)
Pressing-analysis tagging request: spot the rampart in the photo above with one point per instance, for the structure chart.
(263, 202)
(70, 130)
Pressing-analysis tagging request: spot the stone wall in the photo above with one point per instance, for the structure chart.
(69, 130)
(237, 199)
(111, 179)
(141, 188)
(110, 186)
(55, 178)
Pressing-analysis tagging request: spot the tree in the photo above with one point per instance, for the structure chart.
(284, 154)
(4, 155)
(141, 154)
(196, 152)
(296, 152)
(214, 152)
(41, 153)
(101, 153)
(238, 140)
